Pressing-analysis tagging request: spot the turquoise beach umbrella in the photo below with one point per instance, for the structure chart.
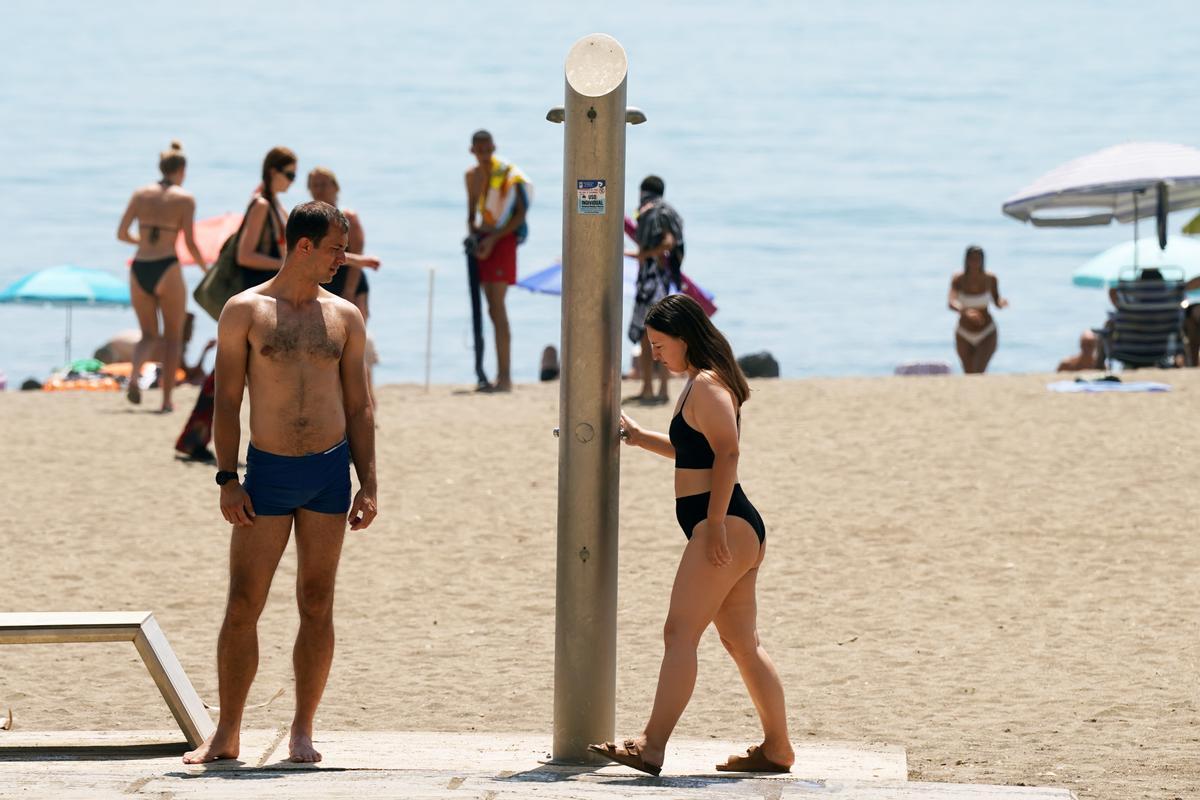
(68, 286)
(1181, 257)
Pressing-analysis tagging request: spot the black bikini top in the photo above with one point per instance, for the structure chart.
(692, 450)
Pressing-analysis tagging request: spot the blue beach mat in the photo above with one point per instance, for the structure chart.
(1090, 387)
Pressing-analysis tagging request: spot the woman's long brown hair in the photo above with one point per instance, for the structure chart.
(707, 348)
(277, 158)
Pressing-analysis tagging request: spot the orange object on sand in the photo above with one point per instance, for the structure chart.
(123, 368)
(92, 384)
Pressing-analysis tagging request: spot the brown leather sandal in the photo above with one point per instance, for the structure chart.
(629, 755)
(754, 761)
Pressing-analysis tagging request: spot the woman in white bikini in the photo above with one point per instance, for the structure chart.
(972, 292)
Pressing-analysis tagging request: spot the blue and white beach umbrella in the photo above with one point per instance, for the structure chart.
(68, 286)
(1180, 259)
(549, 280)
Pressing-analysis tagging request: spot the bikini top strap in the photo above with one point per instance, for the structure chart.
(686, 393)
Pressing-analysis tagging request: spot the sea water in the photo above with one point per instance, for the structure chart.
(831, 160)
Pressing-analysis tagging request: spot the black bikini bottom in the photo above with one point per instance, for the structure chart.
(149, 272)
(693, 509)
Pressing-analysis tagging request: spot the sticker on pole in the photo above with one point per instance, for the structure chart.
(591, 196)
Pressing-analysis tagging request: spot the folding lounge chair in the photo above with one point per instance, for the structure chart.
(1146, 330)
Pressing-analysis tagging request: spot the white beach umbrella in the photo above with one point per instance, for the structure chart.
(1125, 183)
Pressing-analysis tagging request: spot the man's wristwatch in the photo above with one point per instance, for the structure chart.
(224, 477)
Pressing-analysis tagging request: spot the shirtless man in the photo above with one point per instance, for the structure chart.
(301, 349)
(498, 196)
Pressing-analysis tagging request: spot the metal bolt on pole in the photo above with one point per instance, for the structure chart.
(585, 661)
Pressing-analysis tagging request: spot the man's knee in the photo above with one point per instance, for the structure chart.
(244, 606)
(314, 599)
(497, 311)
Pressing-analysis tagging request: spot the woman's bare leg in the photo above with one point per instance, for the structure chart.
(966, 353)
(736, 622)
(985, 351)
(172, 298)
(145, 306)
(699, 591)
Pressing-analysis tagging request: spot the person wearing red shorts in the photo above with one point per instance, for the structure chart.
(498, 196)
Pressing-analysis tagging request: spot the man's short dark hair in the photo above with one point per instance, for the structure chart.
(480, 136)
(311, 221)
(654, 185)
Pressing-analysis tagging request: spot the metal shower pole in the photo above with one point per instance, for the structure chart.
(585, 663)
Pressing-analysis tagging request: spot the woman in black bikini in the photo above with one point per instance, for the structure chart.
(715, 582)
(156, 284)
(262, 245)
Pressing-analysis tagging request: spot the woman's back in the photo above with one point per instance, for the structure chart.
(161, 210)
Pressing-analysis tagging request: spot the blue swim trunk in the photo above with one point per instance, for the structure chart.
(278, 485)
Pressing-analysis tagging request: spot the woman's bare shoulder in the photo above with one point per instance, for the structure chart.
(258, 206)
(710, 385)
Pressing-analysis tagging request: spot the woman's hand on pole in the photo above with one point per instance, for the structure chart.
(632, 431)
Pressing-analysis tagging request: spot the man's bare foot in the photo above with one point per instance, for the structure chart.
(134, 392)
(215, 748)
(502, 386)
(301, 750)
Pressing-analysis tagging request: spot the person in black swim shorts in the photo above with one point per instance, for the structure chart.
(301, 351)
(716, 579)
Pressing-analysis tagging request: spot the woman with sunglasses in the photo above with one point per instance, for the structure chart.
(262, 245)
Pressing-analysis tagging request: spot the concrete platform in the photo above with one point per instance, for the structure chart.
(418, 765)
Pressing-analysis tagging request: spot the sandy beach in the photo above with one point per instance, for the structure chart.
(1001, 579)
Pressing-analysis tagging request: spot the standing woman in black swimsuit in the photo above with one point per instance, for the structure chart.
(162, 210)
(349, 282)
(262, 246)
(715, 582)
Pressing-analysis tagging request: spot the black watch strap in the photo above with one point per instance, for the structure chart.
(225, 476)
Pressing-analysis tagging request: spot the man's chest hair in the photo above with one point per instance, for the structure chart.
(309, 336)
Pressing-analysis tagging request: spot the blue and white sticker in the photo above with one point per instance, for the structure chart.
(591, 196)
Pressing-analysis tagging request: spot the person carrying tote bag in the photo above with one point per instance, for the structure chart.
(223, 279)
(241, 265)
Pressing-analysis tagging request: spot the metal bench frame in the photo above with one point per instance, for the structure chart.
(139, 627)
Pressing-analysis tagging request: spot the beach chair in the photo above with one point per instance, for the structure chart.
(139, 627)
(1146, 329)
